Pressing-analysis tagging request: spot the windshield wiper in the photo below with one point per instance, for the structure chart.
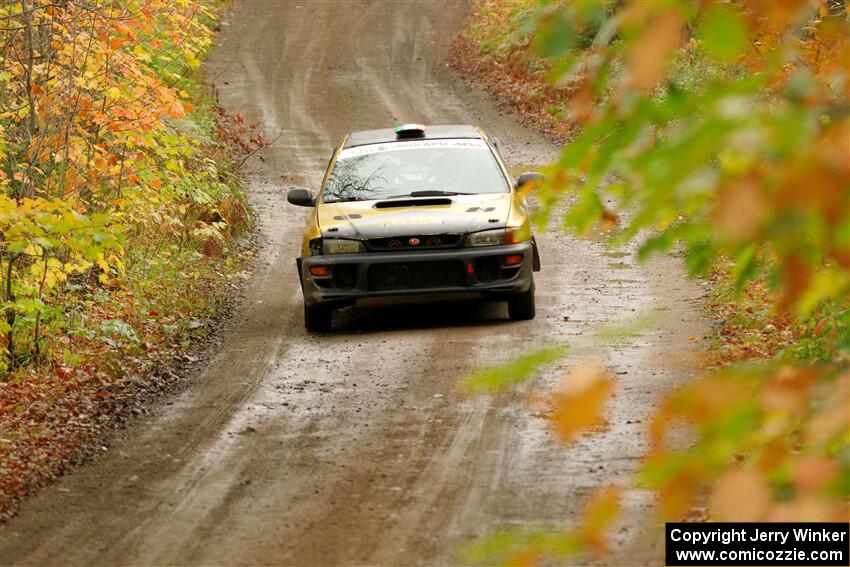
(345, 200)
(428, 193)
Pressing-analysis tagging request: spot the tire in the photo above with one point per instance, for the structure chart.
(318, 318)
(521, 305)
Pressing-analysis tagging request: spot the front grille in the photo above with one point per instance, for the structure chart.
(416, 275)
(416, 242)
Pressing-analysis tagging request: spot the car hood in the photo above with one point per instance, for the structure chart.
(456, 214)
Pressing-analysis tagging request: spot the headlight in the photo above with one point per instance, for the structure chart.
(341, 246)
(499, 236)
(486, 238)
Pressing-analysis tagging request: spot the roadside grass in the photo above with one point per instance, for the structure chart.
(495, 48)
(746, 327)
(498, 49)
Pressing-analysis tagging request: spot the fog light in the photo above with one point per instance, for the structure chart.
(320, 271)
(513, 260)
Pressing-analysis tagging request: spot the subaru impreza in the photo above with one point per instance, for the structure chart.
(416, 213)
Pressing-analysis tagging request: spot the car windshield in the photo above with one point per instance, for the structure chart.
(414, 168)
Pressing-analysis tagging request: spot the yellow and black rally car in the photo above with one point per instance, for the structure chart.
(416, 212)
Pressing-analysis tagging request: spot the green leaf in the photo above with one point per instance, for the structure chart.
(723, 33)
(587, 211)
(745, 266)
(629, 328)
(657, 244)
(506, 546)
(29, 306)
(557, 35)
(828, 284)
(69, 358)
(698, 259)
(660, 470)
(497, 378)
(120, 329)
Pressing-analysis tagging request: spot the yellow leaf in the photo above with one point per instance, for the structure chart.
(812, 472)
(140, 53)
(649, 57)
(741, 209)
(579, 403)
(525, 558)
(676, 496)
(192, 61)
(601, 511)
(740, 496)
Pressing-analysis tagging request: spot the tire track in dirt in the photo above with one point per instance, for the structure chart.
(355, 447)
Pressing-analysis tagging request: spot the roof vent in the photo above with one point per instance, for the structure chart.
(406, 131)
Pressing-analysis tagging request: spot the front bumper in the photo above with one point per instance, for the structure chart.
(480, 270)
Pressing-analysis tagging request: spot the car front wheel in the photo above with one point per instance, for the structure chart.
(521, 305)
(318, 318)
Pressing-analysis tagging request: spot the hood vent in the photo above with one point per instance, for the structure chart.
(395, 203)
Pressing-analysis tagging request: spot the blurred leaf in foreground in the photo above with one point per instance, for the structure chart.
(740, 496)
(723, 33)
(721, 131)
(767, 443)
(496, 378)
(628, 328)
(523, 547)
(520, 547)
(602, 509)
(579, 403)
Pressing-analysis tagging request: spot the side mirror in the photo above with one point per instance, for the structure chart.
(532, 177)
(301, 197)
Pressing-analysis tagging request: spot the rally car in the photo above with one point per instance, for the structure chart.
(416, 212)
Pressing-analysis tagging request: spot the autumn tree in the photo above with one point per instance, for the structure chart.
(95, 149)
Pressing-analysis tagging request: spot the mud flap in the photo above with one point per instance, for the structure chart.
(300, 279)
(535, 261)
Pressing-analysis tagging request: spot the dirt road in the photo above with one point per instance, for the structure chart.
(355, 447)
